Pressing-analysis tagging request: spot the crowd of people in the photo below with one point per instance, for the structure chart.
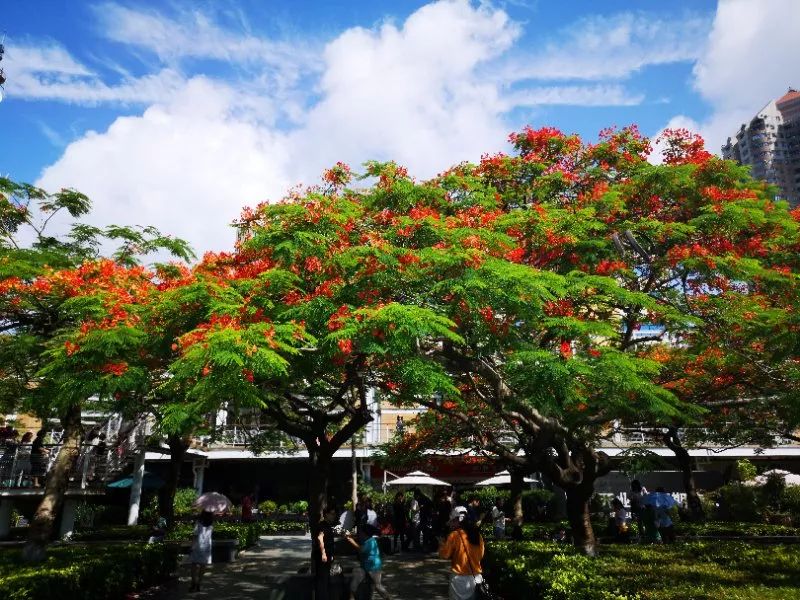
(414, 524)
(650, 511)
(24, 461)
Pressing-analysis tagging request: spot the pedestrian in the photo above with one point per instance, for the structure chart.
(400, 522)
(322, 553)
(40, 457)
(415, 516)
(370, 563)
(637, 508)
(442, 515)
(666, 528)
(22, 465)
(247, 508)
(474, 510)
(200, 554)
(464, 547)
(499, 520)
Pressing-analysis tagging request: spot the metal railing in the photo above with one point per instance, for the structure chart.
(24, 467)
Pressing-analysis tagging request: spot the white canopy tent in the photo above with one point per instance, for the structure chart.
(502, 478)
(417, 479)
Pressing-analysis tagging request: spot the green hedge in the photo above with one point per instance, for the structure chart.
(86, 573)
(246, 533)
(691, 571)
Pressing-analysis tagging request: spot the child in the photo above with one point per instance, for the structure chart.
(201, 548)
(621, 519)
(369, 555)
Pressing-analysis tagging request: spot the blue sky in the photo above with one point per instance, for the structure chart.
(179, 113)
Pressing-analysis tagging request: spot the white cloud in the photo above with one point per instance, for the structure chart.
(194, 34)
(575, 95)
(92, 90)
(613, 47)
(424, 92)
(47, 71)
(187, 166)
(751, 57)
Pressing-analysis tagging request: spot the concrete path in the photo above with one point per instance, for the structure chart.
(252, 576)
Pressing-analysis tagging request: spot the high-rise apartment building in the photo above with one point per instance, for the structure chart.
(770, 144)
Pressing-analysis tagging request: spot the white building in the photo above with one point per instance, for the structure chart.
(770, 144)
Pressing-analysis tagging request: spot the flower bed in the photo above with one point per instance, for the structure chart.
(86, 572)
(690, 571)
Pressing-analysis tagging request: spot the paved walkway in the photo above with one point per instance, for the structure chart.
(253, 575)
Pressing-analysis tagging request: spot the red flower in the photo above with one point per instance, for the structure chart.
(248, 375)
(566, 349)
(313, 264)
(116, 369)
(345, 346)
(516, 255)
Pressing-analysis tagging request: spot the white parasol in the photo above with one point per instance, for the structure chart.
(502, 478)
(213, 502)
(418, 478)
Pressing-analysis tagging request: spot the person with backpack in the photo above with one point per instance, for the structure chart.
(464, 547)
(369, 572)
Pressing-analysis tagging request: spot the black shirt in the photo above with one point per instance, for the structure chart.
(327, 540)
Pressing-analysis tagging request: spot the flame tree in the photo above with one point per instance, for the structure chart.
(52, 290)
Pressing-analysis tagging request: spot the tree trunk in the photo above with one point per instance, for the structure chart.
(580, 521)
(318, 486)
(575, 470)
(684, 462)
(177, 451)
(44, 519)
(517, 483)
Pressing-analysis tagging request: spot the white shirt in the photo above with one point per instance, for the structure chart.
(414, 510)
(499, 517)
(372, 518)
(347, 520)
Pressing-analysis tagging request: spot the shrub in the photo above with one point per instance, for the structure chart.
(745, 470)
(87, 573)
(790, 501)
(268, 507)
(184, 502)
(708, 570)
(739, 502)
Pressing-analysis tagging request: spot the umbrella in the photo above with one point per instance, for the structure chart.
(213, 502)
(149, 482)
(502, 478)
(417, 478)
(659, 500)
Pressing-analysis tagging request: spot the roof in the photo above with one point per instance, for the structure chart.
(792, 94)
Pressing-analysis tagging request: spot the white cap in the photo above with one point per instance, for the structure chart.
(458, 513)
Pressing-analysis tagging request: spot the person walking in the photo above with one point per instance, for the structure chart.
(322, 554)
(464, 547)
(400, 522)
(370, 562)
(22, 465)
(200, 554)
(499, 519)
(40, 457)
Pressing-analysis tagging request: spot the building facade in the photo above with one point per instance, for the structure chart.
(770, 145)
